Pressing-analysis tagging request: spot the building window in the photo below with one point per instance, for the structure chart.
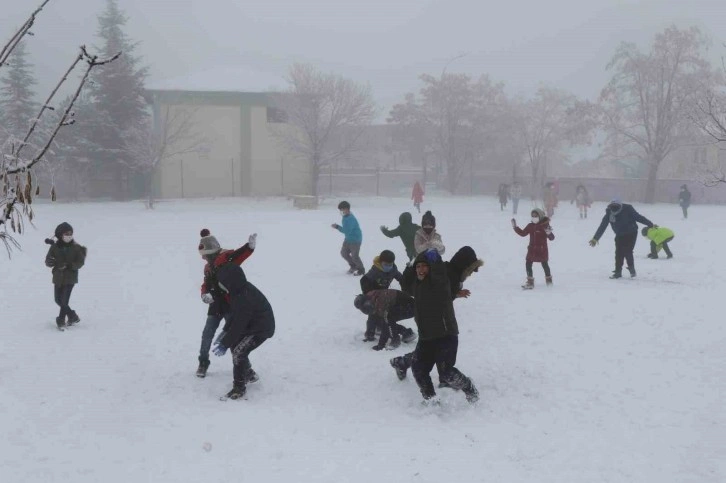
(276, 115)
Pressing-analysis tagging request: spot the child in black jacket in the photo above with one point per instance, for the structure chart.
(65, 257)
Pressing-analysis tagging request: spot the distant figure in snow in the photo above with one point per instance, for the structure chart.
(406, 229)
(503, 195)
(250, 323)
(684, 199)
(437, 329)
(516, 195)
(214, 256)
(550, 199)
(350, 251)
(582, 200)
(427, 238)
(659, 237)
(417, 196)
(539, 231)
(65, 257)
(623, 219)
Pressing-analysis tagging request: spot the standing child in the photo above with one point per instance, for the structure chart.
(516, 194)
(65, 257)
(503, 194)
(550, 199)
(215, 256)
(659, 237)
(406, 229)
(539, 232)
(427, 238)
(350, 251)
(684, 199)
(417, 196)
(582, 199)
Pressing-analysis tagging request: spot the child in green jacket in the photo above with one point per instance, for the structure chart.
(65, 257)
(659, 237)
(406, 229)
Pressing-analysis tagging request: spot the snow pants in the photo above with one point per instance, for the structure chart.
(241, 358)
(441, 353)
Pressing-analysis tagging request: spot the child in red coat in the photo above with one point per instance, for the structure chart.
(417, 196)
(539, 232)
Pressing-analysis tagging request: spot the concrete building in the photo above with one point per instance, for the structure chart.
(239, 153)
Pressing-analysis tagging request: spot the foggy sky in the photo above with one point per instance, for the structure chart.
(388, 43)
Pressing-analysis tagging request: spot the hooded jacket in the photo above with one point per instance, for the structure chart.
(460, 267)
(250, 313)
(433, 302)
(417, 194)
(537, 251)
(65, 258)
(209, 284)
(623, 221)
(406, 229)
(376, 278)
(659, 235)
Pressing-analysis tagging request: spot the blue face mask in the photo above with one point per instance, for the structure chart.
(387, 267)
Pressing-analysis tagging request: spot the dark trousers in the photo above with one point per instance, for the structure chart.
(666, 249)
(545, 266)
(390, 330)
(624, 245)
(685, 211)
(62, 295)
(210, 327)
(241, 357)
(441, 353)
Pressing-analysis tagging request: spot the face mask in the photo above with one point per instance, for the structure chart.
(342, 213)
(428, 230)
(387, 267)
(67, 238)
(535, 219)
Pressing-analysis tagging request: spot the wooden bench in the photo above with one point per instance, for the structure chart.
(305, 202)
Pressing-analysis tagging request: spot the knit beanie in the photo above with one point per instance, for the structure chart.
(428, 219)
(208, 245)
(387, 256)
(64, 227)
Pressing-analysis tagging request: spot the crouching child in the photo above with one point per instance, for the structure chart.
(388, 307)
(249, 324)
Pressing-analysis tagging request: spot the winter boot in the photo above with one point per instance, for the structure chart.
(616, 274)
(202, 369)
(393, 343)
(632, 272)
(398, 364)
(61, 322)
(409, 336)
(470, 391)
(350, 271)
(73, 318)
(238, 391)
(529, 284)
(368, 338)
(549, 280)
(251, 376)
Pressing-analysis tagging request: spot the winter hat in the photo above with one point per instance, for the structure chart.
(363, 304)
(343, 205)
(63, 228)
(208, 245)
(405, 218)
(387, 256)
(540, 213)
(428, 219)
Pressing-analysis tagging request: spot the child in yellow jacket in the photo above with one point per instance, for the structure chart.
(659, 237)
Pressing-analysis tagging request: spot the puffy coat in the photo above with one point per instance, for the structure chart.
(65, 259)
(209, 284)
(659, 235)
(376, 278)
(537, 250)
(622, 221)
(250, 313)
(424, 241)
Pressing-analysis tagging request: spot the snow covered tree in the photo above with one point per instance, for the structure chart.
(645, 105)
(18, 158)
(328, 114)
(17, 99)
(117, 94)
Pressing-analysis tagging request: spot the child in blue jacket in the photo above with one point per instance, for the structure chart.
(350, 251)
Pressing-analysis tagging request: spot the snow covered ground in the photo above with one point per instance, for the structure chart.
(593, 380)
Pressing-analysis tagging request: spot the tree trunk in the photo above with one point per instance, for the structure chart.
(314, 177)
(652, 177)
(150, 190)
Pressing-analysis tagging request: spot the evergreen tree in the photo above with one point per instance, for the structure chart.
(117, 95)
(17, 98)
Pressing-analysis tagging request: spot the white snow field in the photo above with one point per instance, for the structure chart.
(592, 380)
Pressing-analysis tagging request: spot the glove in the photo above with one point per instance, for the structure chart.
(219, 350)
(593, 242)
(207, 298)
(252, 242)
(219, 338)
(432, 255)
(514, 223)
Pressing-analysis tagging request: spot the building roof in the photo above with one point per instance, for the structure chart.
(221, 79)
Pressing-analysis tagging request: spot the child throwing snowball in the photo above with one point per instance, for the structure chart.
(539, 232)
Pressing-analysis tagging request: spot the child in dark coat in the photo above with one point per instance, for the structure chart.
(388, 307)
(250, 323)
(406, 229)
(539, 232)
(65, 257)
